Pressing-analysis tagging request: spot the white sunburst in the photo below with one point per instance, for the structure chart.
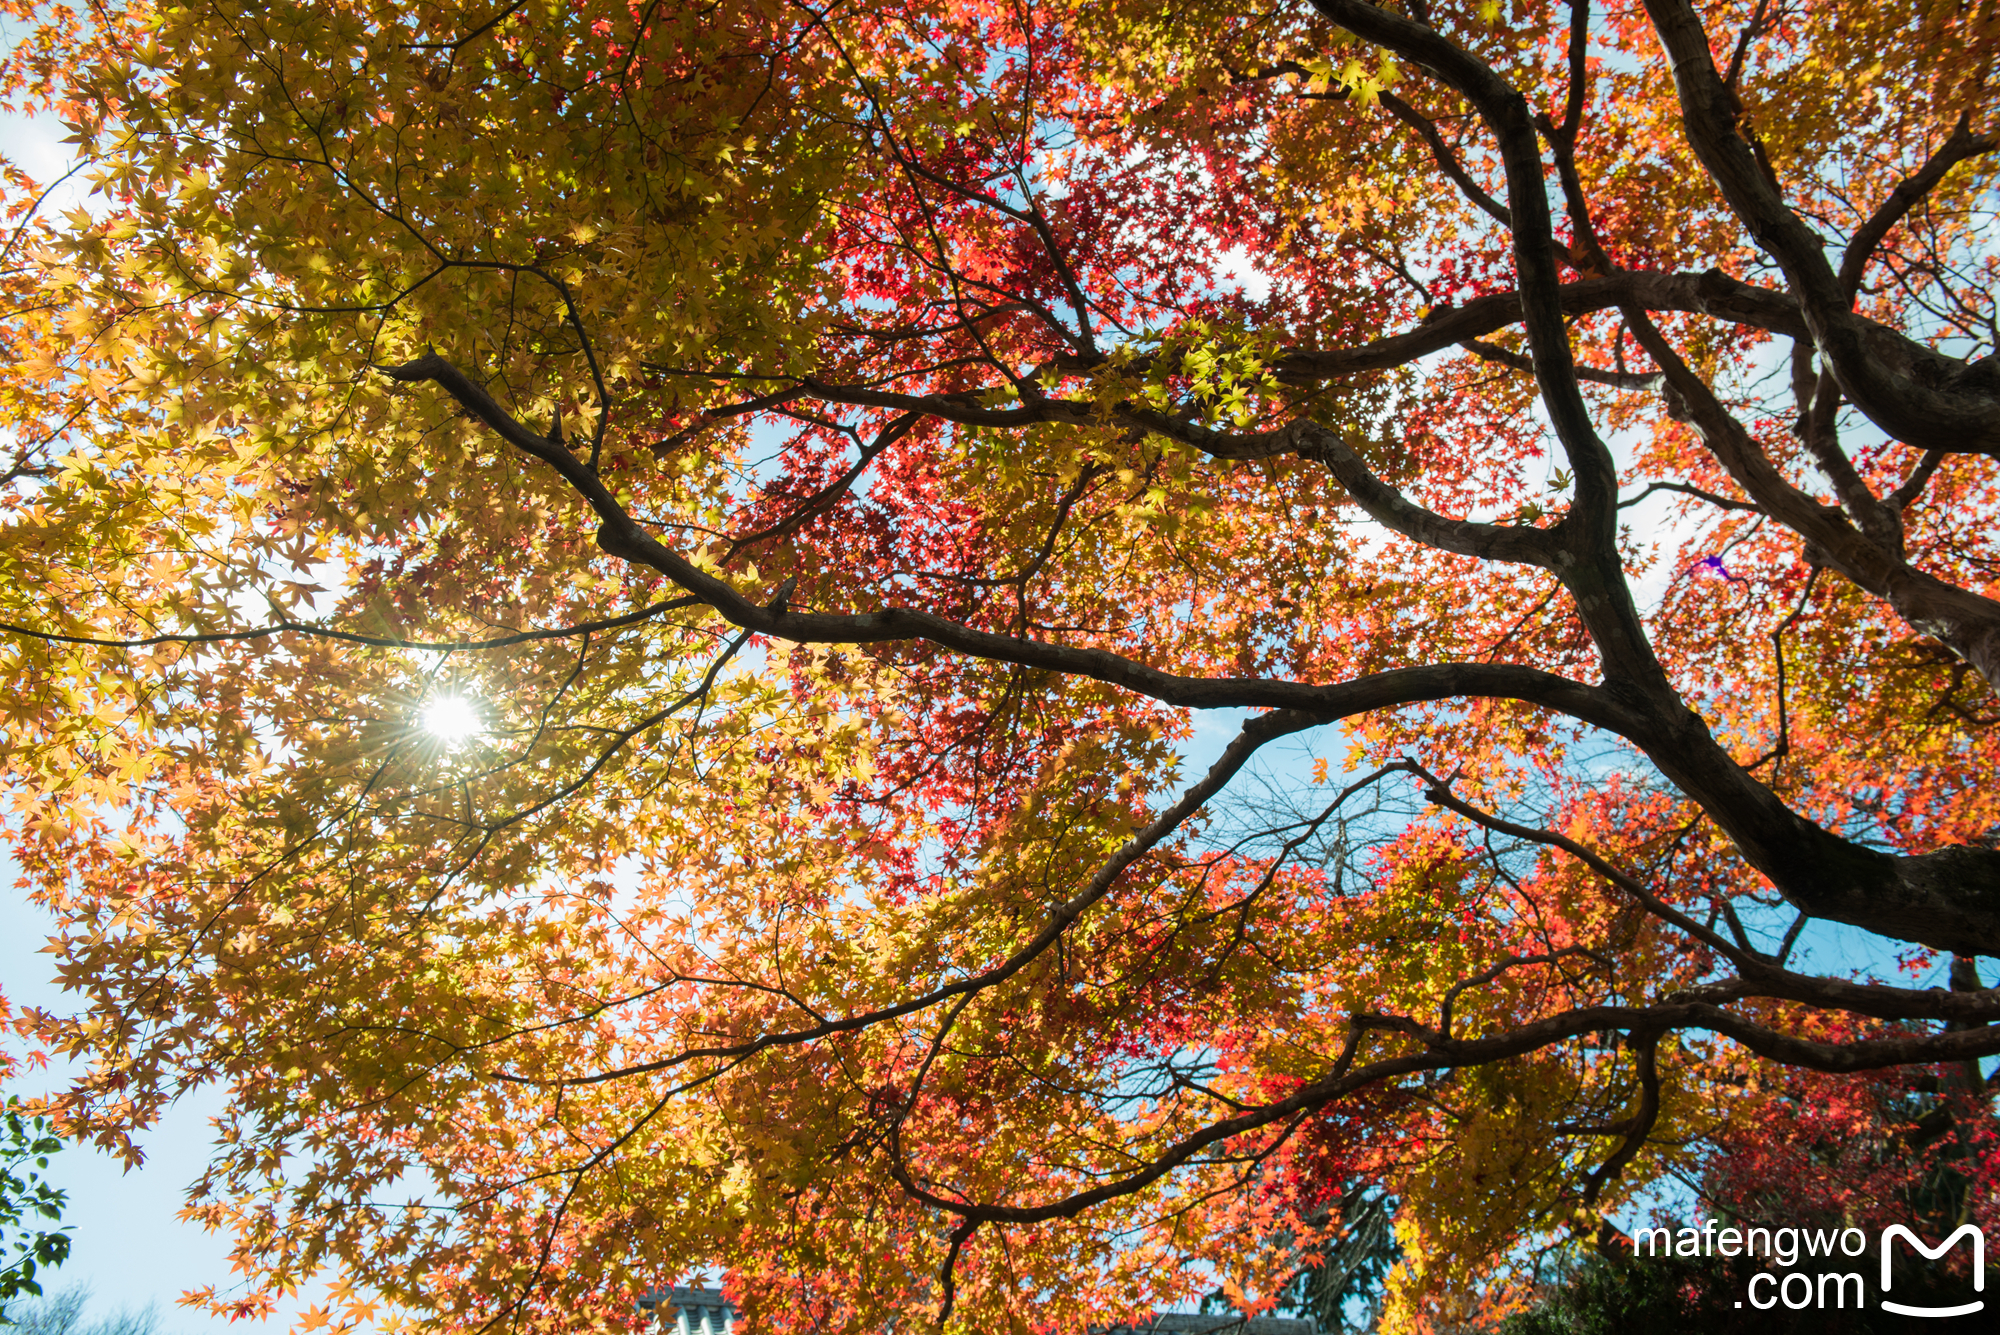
(453, 719)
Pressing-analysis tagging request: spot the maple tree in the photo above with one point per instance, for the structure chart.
(609, 607)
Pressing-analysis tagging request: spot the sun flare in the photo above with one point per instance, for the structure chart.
(453, 719)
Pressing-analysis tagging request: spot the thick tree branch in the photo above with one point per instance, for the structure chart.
(1713, 294)
(1446, 159)
(1634, 380)
(1638, 1126)
(1390, 508)
(620, 535)
(1949, 899)
(1819, 430)
(1966, 622)
(1912, 393)
(1590, 566)
(1508, 117)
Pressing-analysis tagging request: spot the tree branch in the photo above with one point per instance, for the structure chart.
(354, 637)
(1961, 146)
(1912, 393)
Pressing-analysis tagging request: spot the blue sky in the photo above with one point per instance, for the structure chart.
(129, 1248)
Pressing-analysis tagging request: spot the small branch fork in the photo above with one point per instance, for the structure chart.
(1636, 1127)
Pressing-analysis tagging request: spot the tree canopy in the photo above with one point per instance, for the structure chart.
(618, 617)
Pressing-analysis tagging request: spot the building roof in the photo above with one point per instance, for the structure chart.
(707, 1312)
(698, 1311)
